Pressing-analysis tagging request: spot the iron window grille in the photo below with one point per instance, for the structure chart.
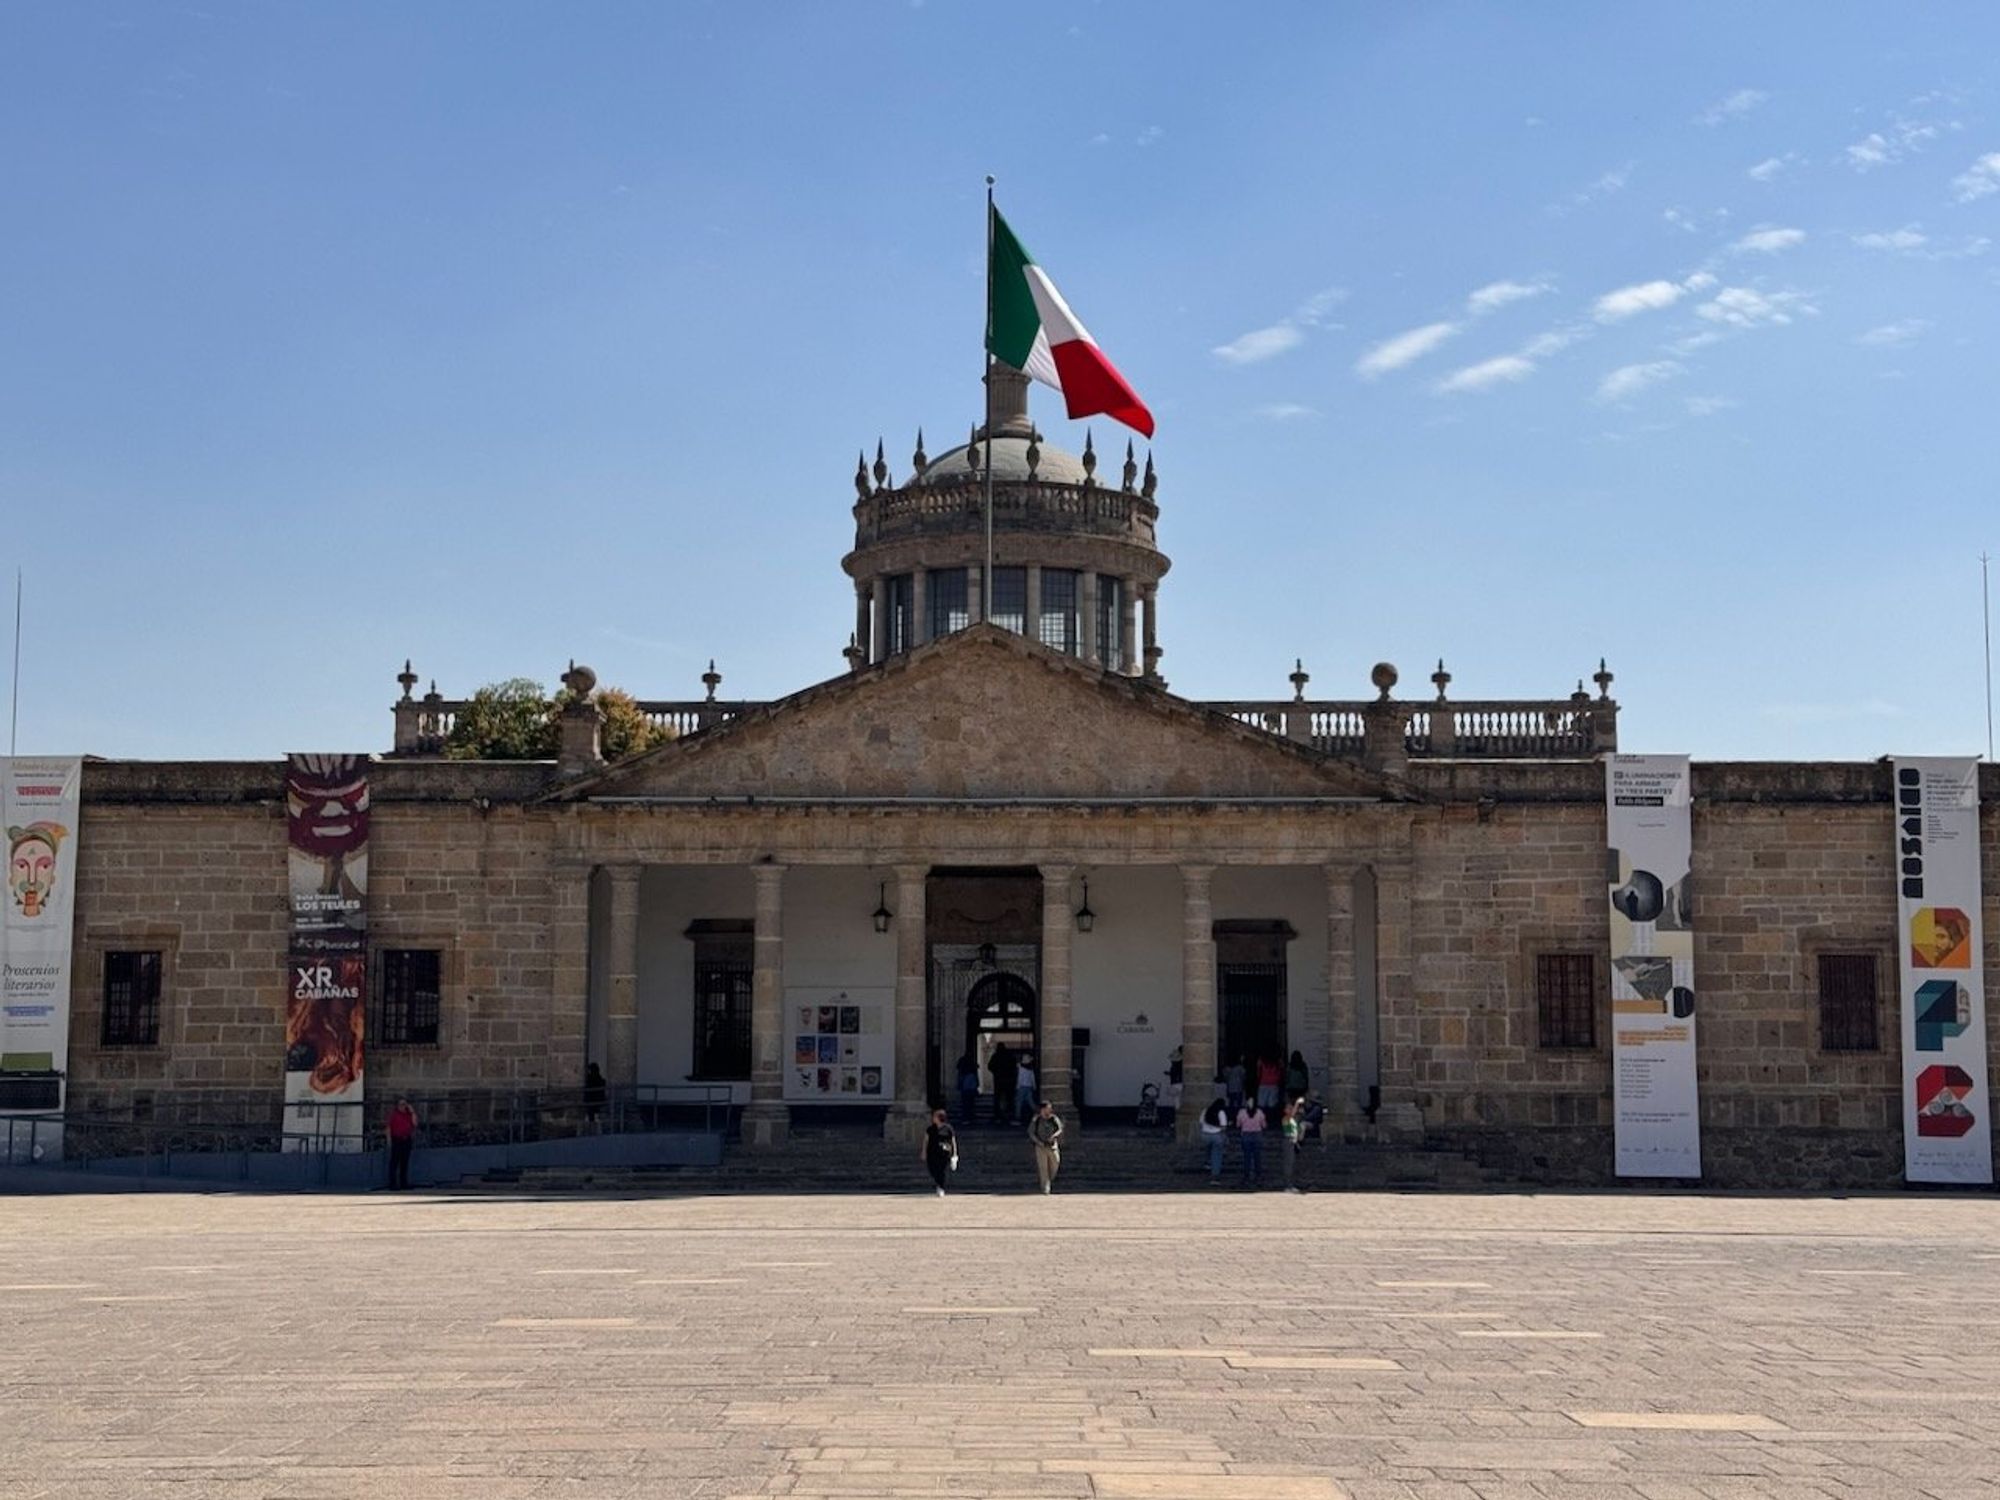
(948, 601)
(1010, 599)
(1847, 1003)
(901, 596)
(722, 986)
(131, 999)
(1566, 999)
(1058, 625)
(1110, 637)
(410, 998)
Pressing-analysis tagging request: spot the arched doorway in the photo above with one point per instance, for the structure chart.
(1000, 1010)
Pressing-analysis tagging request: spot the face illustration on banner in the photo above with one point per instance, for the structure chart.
(31, 865)
(326, 814)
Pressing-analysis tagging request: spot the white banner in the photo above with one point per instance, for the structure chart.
(39, 802)
(1653, 1089)
(1947, 1135)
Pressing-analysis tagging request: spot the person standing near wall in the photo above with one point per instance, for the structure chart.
(1250, 1127)
(1025, 1083)
(1291, 1128)
(1215, 1136)
(939, 1152)
(402, 1133)
(1045, 1130)
(1298, 1077)
(1232, 1085)
(1004, 1063)
(1270, 1081)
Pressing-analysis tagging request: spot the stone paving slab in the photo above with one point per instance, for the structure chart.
(1372, 1346)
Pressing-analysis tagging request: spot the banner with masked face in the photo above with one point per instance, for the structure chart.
(326, 822)
(1947, 1133)
(39, 806)
(1657, 1118)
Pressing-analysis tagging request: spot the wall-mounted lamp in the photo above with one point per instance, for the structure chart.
(1085, 917)
(882, 915)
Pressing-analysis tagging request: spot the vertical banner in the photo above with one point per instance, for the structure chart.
(1947, 1134)
(326, 824)
(1654, 1101)
(39, 807)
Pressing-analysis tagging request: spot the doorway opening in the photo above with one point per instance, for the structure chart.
(1252, 993)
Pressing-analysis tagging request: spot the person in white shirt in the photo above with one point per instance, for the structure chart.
(1024, 1090)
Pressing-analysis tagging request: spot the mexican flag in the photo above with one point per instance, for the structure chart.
(1029, 326)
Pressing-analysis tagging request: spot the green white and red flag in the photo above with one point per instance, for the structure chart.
(1029, 326)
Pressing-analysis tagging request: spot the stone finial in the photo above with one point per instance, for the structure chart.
(1602, 677)
(580, 735)
(1131, 471)
(1442, 678)
(434, 696)
(861, 475)
(711, 679)
(1034, 451)
(1299, 678)
(1579, 696)
(881, 466)
(972, 451)
(580, 681)
(920, 460)
(1089, 458)
(1383, 675)
(854, 654)
(407, 679)
(1152, 480)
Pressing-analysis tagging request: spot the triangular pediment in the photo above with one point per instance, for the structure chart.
(984, 714)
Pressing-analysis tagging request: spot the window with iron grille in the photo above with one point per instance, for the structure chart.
(131, 999)
(1010, 599)
(1110, 643)
(722, 969)
(1566, 999)
(948, 601)
(1058, 627)
(902, 617)
(409, 998)
(1847, 1009)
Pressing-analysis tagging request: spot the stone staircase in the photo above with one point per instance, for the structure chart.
(1102, 1159)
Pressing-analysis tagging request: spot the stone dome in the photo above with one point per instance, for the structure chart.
(1010, 465)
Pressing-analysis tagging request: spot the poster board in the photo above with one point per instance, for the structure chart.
(40, 804)
(840, 1045)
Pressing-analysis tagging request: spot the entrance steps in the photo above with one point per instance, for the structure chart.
(1101, 1159)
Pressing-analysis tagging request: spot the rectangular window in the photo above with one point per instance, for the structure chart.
(1566, 999)
(409, 999)
(722, 971)
(1010, 599)
(1847, 1003)
(948, 601)
(902, 621)
(131, 1000)
(1058, 617)
(1110, 598)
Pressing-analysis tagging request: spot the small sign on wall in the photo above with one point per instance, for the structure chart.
(840, 1045)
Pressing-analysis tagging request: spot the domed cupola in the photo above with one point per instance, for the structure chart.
(1074, 561)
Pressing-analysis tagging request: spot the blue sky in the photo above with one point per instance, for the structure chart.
(496, 334)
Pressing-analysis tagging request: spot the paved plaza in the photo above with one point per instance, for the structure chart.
(1384, 1347)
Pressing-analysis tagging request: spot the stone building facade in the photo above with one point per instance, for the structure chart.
(1409, 892)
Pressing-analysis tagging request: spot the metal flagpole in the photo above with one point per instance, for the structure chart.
(14, 713)
(986, 578)
(1986, 618)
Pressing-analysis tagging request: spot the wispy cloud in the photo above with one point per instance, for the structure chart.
(1498, 294)
(1629, 301)
(1732, 107)
(1902, 331)
(1913, 242)
(1403, 349)
(1486, 374)
(1708, 406)
(1894, 141)
(1286, 411)
(1628, 380)
(1613, 181)
(1981, 178)
(1150, 136)
(1769, 241)
(1259, 344)
(1772, 167)
(1909, 237)
(1743, 307)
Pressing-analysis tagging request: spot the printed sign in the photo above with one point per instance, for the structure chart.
(326, 823)
(39, 808)
(1947, 1134)
(842, 1046)
(1654, 1102)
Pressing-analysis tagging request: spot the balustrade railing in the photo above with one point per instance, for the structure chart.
(889, 514)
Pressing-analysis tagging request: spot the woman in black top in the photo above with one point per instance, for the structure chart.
(940, 1149)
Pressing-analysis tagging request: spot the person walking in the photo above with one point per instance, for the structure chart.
(1250, 1126)
(1215, 1136)
(1232, 1085)
(402, 1133)
(595, 1089)
(1004, 1064)
(1291, 1128)
(1045, 1130)
(1298, 1077)
(968, 1086)
(1270, 1082)
(1025, 1082)
(939, 1151)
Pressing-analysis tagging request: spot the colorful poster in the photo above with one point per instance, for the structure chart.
(1947, 1133)
(40, 800)
(844, 1049)
(326, 1005)
(1655, 1107)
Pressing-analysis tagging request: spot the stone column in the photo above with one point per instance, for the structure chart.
(1396, 1022)
(975, 593)
(767, 1118)
(621, 1008)
(1337, 1080)
(864, 629)
(1031, 619)
(1128, 650)
(1055, 1056)
(1086, 608)
(1149, 602)
(919, 606)
(878, 647)
(908, 1114)
(1197, 998)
